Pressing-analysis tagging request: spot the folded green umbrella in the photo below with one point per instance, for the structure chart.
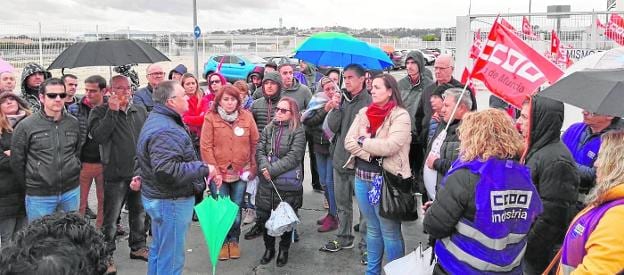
(216, 217)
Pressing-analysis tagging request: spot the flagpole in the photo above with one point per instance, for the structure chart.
(448, 124)
(458, 101)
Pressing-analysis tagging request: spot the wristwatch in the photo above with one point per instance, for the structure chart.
(360, 140)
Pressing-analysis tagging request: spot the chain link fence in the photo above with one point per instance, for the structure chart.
(577, 31)
(42, 42)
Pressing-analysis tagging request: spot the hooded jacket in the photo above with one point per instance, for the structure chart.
(31, 95)
(312, 76)
(263, 108)
(259, 72)
(299, 92)
(181, 69)
(411, 94)
(314, 122)
(555, 176)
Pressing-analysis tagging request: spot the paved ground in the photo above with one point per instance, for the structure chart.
(304, 257)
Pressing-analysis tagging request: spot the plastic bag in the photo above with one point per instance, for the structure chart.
(283, 219)
(417, 262)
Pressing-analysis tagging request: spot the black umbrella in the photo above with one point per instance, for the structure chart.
(107, 53)
(597, 91)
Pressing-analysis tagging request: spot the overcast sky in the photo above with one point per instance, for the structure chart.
(176, 15)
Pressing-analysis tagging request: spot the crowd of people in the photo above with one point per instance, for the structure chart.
(503, 192)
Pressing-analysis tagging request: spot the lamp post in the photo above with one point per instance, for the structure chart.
(195, 61)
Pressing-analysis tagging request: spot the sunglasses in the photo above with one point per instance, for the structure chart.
(215, 82)
(53, 96)
(280, 110)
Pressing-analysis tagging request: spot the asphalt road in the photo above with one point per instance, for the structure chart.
(304, 256)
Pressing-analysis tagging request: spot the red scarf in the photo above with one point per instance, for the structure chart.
(376, 115)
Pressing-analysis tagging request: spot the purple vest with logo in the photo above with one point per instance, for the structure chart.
(506, 206)
(573, 249)
(584, 154)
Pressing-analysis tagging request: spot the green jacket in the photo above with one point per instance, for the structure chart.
(411, 94)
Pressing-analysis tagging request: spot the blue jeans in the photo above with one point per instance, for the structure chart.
(170, 222)
(326, 177)
(236, 191)
(39, 206)
(382, 235)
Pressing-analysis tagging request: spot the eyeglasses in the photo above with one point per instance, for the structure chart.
(441, 68)
(54, 96)
(280, 110)
(215, 82)
(156, 74)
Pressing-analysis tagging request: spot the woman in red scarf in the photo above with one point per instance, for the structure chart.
(380, 131)
(194, 120)
(195, 96)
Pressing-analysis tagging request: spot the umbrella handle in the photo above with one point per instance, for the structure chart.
(275, 187)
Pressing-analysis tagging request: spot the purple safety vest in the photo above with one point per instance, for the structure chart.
(506, 203)
(584, 154)
(573, 249)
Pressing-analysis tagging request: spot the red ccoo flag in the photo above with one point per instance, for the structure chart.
(506, 24)
(615, 29)
(512, 69)
(526, 27)
(476, 45)
(599, 24)
(555, 43)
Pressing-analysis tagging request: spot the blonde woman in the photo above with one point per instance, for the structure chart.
(13, 109)
(487, 201)
(594, 243)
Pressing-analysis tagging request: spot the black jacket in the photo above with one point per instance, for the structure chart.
(556, 179)
(424, 111)
(291, 150)
(314, 127)
(11, 191)
(117, 132)
(340, 120)
(263, 110)
(45, 154)
(449, 151)
(454, 201)
(81, 111)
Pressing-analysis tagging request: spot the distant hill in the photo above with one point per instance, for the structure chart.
(366, 33)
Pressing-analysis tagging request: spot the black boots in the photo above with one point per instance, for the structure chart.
(268, 256)
(282, 258)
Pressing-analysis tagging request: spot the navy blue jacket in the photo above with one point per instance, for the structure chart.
(167, 161)
(143, 97)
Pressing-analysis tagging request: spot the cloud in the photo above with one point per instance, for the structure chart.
(182, 6)
(176, 15)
